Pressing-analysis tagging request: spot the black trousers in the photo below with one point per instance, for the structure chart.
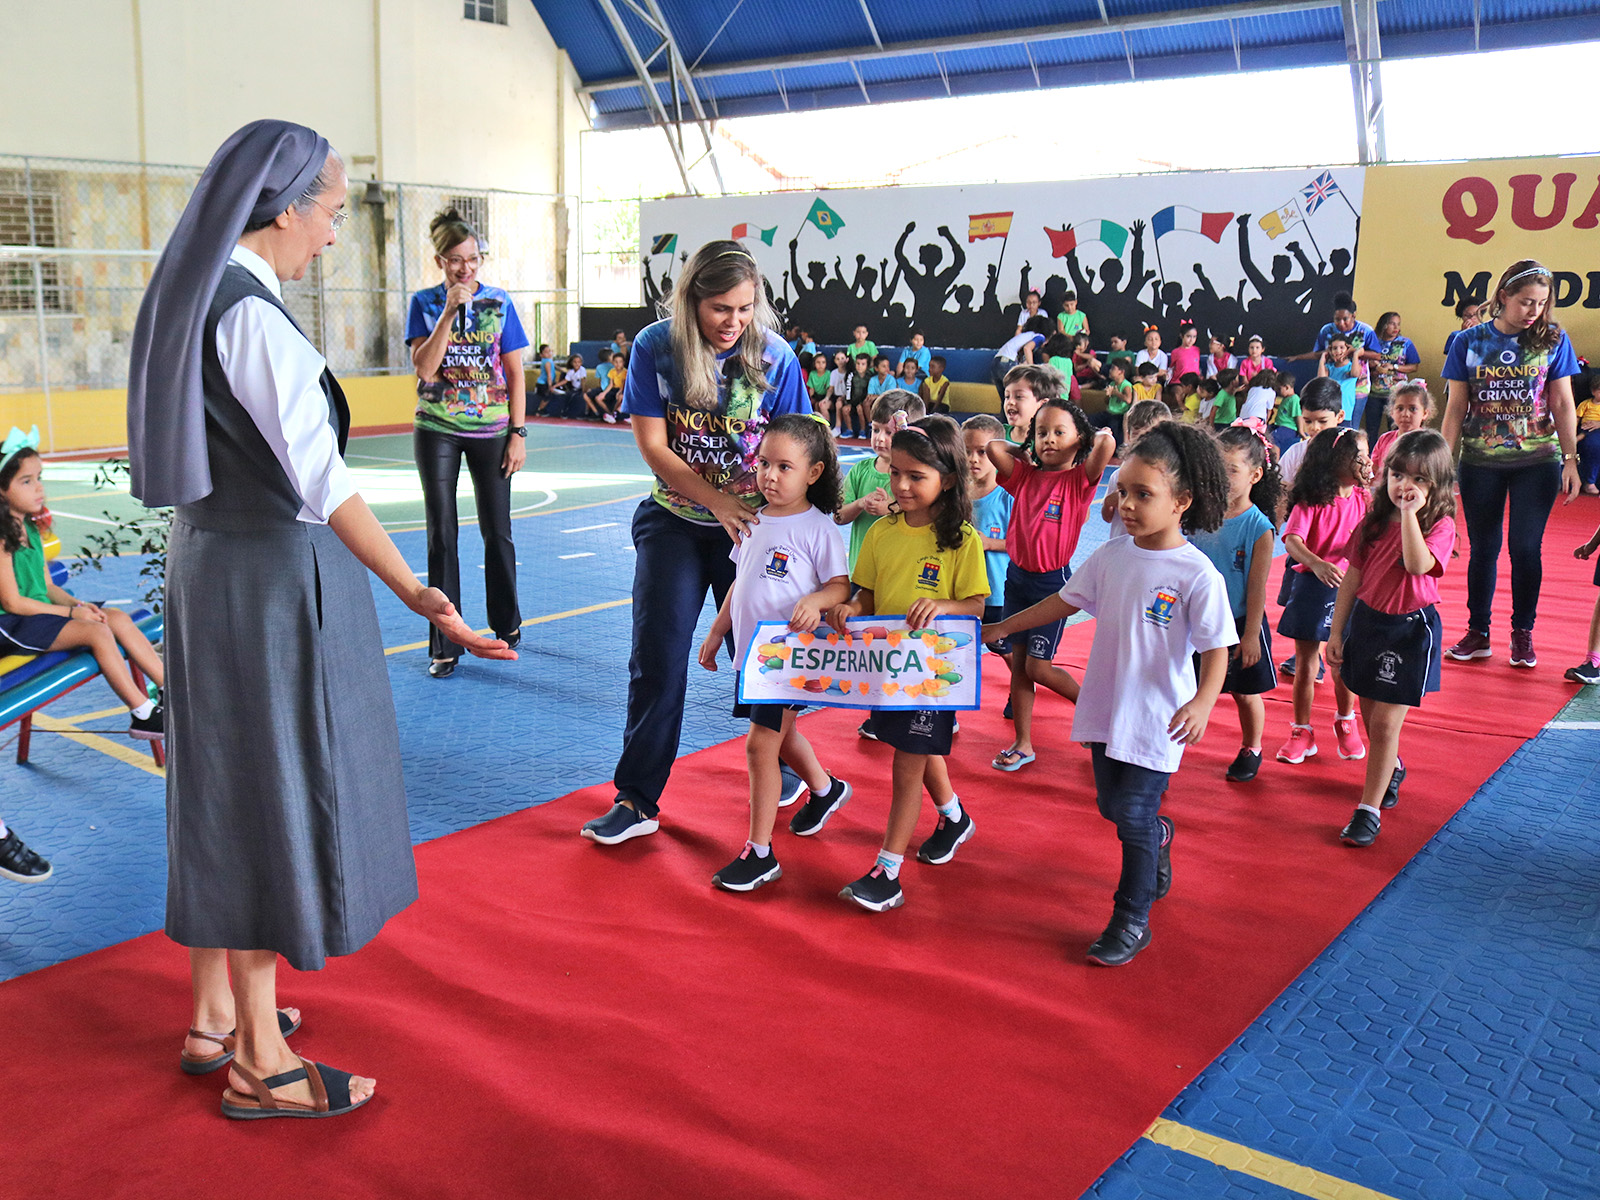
(439, 458)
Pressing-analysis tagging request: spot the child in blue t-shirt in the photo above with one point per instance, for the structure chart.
(917, 353)
(544, 381)
(991, 511)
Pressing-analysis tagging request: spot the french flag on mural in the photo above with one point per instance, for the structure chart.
(1191, 220)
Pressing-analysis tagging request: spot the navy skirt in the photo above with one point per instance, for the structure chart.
(1393, 659)
(1308, 611)
(1248, 681)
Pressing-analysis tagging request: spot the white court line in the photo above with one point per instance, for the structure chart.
(481, 567)
(587, 528)
(410, 462)
(585, 554)
(61, 512)
(1573, 725)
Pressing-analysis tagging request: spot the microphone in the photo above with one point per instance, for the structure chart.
(461, 317)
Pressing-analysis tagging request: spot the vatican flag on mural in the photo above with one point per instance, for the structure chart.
(1276, 224)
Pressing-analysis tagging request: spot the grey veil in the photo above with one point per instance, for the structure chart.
(257, 174)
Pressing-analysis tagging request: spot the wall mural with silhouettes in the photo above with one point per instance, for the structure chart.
(1236, 253)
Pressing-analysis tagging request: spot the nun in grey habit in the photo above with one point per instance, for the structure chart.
(286, 814)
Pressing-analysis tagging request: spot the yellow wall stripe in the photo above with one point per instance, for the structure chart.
(1266, 1167)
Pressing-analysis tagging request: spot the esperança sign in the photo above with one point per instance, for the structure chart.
(879, 662)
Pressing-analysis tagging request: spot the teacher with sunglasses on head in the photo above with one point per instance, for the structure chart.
(466, 345)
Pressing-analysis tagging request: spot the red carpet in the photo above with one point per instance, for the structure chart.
(556, 1019)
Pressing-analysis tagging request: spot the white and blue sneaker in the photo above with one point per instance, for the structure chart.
(619, 825)
(791, 787)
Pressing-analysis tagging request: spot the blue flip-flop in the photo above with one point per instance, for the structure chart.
(204, 1064)
(1019, 760)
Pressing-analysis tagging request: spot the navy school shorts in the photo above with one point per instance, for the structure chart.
(1024, 589)
(914, 730)
(1248, 681)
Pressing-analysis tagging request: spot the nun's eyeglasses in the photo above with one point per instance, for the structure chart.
(338, 216)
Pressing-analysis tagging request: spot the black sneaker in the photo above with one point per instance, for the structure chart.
(865, 730)
(791, 787)
(748, 872)
(1585, 672)
(875, 891)
(151, 728)
(1245, 765)
(1164, 861)
(20, 863)
(512, 639)
(619, 825)
(1362, 830)
(442, 668)
(946, 836)
(814, 814)
(1119, 943)
(1391, 797)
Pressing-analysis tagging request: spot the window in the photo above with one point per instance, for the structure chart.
(29, 216)
(475, 211)
(491, 11)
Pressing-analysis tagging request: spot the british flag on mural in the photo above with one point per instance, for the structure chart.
(1319, 191)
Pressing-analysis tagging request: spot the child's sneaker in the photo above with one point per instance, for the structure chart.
(875, 891)
(946, 836)
(1164, 862)
(1585, 672)
(1391, 795)
(790, 787)
(1522, 654)
(1302, 744)
(865, 730)
(1472, 645)
(21, 864)
(151, 728)
(1348, 738)
(749, 871)
(618, 825)
(1119, 943)
(1362, 830)
(814, 813)
(1245, 766)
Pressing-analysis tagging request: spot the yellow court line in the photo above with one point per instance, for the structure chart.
(544, 620)
(418, 527)
(1266, 1167)
(94, 741)
(94, 716)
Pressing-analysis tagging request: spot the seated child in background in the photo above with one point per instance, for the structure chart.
(602, 371)
(1185, 357)
(918, 355)
(1152, 353)
(1187, 386)
(1119, 395)
(935, 389)
(908, 376)
(619, 341)
(861, 345)
(1140, 420)
(819, 386)
(568, 398)
(606, 400)
(838, 388)
(1588, 434)
(1119, 352)
(1147, 381)
(883, 379)
(1254, 360)
(1198, 408)
(1225, 410)
(1057, 352)
(1086, 368)
(804, 343)
(1260, 397)
(1070, 321)
(1219, 359)
(1410, 406)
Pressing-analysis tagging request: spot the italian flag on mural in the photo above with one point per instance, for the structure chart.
(1191, 220)
(744, 230)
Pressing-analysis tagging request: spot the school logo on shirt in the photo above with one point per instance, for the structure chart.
(928, 577)
(778, 565)
(995, 531)
(1389, 664)
(1239, 559)
(1159, 610)
(1052, 511)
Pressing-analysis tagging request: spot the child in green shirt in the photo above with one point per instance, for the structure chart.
(866, 487)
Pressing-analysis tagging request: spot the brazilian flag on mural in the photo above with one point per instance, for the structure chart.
(824, 218)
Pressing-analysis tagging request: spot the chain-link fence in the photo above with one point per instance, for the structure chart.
(78, 239)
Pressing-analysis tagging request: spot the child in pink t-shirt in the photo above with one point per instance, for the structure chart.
(1410, 406)
(1386, 633)
(1051, 483)
(1254, 360)
(1327, 503)
(1185, 356)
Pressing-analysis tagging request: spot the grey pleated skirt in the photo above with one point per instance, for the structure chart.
(286, 810)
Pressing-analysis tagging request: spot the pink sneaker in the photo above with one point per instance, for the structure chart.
(1302, 744)
(1348, 737)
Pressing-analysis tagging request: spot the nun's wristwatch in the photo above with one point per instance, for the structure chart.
(520, 430)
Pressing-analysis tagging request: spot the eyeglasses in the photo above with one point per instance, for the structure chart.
(338, 216)
(456, 262)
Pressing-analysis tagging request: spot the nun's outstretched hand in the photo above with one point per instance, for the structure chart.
(436, 606)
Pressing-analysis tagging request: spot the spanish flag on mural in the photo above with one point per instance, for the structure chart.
(1275, 223)
(988, 225)
(1190, 220)
(744, 230)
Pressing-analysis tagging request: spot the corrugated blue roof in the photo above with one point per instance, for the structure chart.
(762, 31)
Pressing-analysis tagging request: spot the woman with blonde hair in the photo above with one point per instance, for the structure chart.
(702, 386)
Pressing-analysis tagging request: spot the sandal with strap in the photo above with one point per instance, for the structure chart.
(204, 1064)
(330, 1094)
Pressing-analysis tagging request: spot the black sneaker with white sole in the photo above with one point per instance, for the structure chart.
(875, 891)
(791, 787)
(1362, 830)
(149, 729)
(1245, 766)
(1119, 943)
(748, 872)
(1391, 796)
(946, 836)
(619, 825)
(1164, 860)
(1585, 673)
(814, 813)
(21, 864)
(865, 730)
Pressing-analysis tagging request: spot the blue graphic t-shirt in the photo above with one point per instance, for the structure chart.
(1400, 351)
(720, 444)
(1360, 335)
(1229, 551)
(991, 517)
(1508, 421)
(469, 397)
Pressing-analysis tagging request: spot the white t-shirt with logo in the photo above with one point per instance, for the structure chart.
(1153, 610)
(781, 560)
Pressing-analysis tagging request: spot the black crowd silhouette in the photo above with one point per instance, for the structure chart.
(1286, 307)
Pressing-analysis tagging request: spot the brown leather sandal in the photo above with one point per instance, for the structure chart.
(330, 1094)
(204, 1064)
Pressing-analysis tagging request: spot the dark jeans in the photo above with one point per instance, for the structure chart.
(998, 368)
(1109, 420)
(1373, 417)
(1589, 456)
(1532, 492)
(1130, 796)
(675, 562)
(439, 458)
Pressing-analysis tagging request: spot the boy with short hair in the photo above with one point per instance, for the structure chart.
(1119, 395)
(1119, 352)
(883, 380)
(861, 345)
(1070, 321)
(1225, 410)
(916, 353)
(1147, 383)
(1028, 386)
(935, 389)
(1284, 420)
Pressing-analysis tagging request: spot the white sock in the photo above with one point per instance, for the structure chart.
(1293, 727)
(951, 811)
(1372, 808)
(1256, 749)
(761, 851)
(890, 863)
(1345, 717)
(144, 710)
